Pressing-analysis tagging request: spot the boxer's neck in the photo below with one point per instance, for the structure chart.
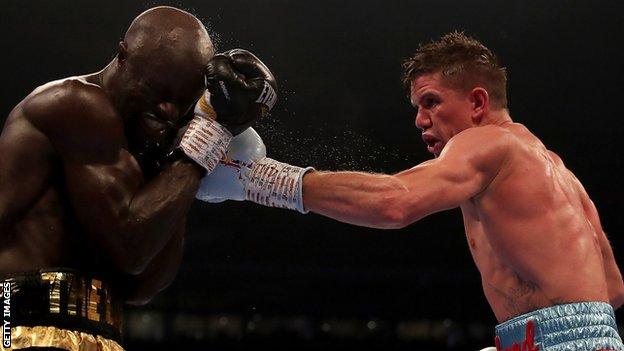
(106, 80)
(106, 76)
(496, 117)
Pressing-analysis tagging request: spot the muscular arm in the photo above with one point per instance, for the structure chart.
(25, 166)
(129, 219)
(141, 288)
(468, 164)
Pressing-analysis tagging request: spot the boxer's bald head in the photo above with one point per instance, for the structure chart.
(174, 34)
(158, 74)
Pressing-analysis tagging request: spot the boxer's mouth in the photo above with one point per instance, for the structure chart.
(431, 141)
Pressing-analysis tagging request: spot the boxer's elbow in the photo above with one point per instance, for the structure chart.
(146, 291)
(392, 207)
(134, 264)
(393, 214)
(139, 300)
(390, 219)
(129, 262)
(127, 253)
(124, 258)
(140, 296)
(145, 288)
(133, 255)
(617, 297)
(617, 301)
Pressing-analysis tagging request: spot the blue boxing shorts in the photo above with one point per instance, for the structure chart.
(582, 326)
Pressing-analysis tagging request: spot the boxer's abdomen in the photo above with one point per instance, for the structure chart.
(532, 240)
(46, 235)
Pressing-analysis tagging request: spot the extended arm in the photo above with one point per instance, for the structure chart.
(464, 169)
(468, 164)
(371, 200)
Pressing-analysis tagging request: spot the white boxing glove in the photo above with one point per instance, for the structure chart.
(226, 182)
(246, 174)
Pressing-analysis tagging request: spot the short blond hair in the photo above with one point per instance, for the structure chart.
(464, 63)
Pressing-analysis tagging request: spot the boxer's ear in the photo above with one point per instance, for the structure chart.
(480, 104)
(122, 51)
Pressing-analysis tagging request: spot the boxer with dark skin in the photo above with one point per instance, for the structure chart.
(77, 183)
(98, 172)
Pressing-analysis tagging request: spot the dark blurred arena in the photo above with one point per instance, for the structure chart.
(256, 277)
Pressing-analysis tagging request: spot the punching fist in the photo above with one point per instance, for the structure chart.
(241, 88)
(246, 174)
(226, 182)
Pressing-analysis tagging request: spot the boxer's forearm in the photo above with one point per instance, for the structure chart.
(156, 211)
(130, 221)
(614, 277)
(370, 200)
(161, 271)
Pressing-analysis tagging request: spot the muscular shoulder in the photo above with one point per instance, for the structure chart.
(76, 116)
(485, 148)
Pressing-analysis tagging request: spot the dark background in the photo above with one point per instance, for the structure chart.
(255, 276)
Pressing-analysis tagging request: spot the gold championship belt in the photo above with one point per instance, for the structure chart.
(59, 308)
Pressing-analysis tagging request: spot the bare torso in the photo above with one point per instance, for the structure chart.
(43, 232)
(38, 222)
(532, 235)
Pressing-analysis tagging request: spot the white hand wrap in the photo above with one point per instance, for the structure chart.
(276, 184)
(246, 174)
(205, 141)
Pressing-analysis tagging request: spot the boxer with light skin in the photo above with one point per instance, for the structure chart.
(92, 202)
(534, 233)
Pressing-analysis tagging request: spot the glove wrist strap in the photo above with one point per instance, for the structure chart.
(268, 96)
(205, 142)
(276, 184)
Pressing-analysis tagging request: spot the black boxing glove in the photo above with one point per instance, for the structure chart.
(242, 89)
